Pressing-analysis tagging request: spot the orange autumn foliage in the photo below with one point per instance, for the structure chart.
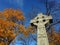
(2, 43)
(7, 25)
(54, 37)
(8, 13)
(31, 29)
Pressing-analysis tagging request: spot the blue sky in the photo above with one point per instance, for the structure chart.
(25, 6)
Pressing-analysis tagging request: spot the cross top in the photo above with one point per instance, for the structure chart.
(41, 19)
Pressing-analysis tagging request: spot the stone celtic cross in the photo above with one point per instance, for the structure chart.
(40, 21)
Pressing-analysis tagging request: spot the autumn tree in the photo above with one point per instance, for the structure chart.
(9, 28)
(54, 37)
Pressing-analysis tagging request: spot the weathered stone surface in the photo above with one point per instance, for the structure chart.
(40, 20)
